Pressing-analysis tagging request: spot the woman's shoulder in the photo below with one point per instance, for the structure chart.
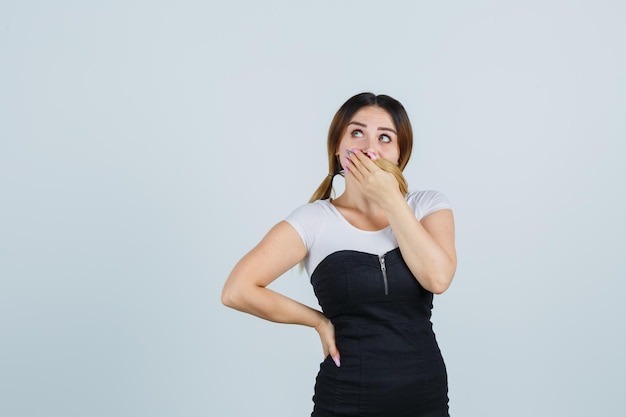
(425, 202)
(310, 213)
(309, 219)
(423, 195)
(312, 208)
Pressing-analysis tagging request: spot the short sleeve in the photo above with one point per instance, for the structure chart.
(427, 202)
(305, 219)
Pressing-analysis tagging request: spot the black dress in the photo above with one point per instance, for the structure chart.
(391, 365)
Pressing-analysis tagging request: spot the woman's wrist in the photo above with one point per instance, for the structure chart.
(322, 322)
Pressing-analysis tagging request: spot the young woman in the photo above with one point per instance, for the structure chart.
(375, 255)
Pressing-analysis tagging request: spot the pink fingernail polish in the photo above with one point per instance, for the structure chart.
(336, 360)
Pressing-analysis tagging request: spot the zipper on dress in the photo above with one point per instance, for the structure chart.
(383, 268)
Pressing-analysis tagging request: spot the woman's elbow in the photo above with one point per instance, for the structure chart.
(240, 296)
(440, 287)
(440, 282)
(230, 297)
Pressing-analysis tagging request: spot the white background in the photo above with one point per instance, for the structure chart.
(146, 146)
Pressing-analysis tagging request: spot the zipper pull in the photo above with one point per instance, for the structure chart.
(383, 268)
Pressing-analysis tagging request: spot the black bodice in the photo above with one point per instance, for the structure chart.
(390, 362)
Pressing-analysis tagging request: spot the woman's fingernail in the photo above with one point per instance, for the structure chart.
(336, 360)
(346, 161)
(348, 152)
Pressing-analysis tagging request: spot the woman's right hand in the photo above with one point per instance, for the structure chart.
(326, 330)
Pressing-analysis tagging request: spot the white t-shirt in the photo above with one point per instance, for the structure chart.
(324, 230)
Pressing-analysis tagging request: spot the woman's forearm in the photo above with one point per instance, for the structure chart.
(270, 305)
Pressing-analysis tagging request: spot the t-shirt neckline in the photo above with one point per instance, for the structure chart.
(345, 221)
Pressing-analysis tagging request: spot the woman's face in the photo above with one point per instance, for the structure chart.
(372, 131)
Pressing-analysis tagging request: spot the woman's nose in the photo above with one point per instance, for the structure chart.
(372, 148)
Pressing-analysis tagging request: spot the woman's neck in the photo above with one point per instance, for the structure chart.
(354, 199)
(360, 211)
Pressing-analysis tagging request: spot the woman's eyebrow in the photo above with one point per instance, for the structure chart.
(364, 125)
(358, 124)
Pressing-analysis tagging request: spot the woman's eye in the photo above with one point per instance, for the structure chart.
(384, 138)
(357, 133)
